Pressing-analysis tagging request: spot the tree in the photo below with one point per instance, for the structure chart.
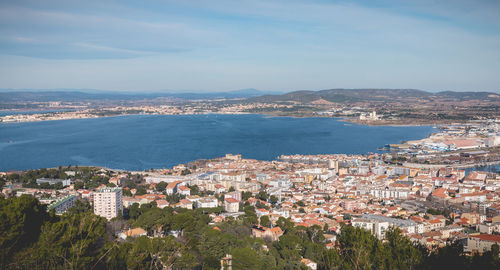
(79, 185)
(80, 207)
(134, 211)
(262, 196)
(448, 257)
(153, 218)
(246, 258)
(156, 253)
(289, 247)
(273, 199)
(357, 247)
(265, 221)
(245, 195)
(140, 191)
(75, 242)
(405, 255)
(21, 219)
(285, 224)
(195, 190)
(126, 192)
(161, 186)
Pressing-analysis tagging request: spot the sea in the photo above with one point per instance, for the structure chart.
(141, 142)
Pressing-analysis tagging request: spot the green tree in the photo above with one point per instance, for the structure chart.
(74, 242)
(140, 191)
(404, 254)
(161, 186)
(134, 211)
(21, 219)
(155, 253)
(126, 192)
(357, 247)
(79, 185)
(265, 221)
(245, 195)
(195, 190)
(262, 196)
(246, 258)
(273, 199)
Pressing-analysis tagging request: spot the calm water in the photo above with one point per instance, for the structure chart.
(143, 141)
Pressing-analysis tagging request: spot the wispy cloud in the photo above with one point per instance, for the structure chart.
(277, 44)
(107, 48)
(21, 39)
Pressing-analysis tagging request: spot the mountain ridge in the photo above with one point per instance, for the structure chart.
(341, 95)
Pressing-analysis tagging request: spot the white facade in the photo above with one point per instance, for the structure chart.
(389, 194)
(207, 203)
(108, 202)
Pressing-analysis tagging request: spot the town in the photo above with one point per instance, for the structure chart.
(432, 206)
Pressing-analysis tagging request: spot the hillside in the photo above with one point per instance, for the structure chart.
(19, 96)
(370, 95)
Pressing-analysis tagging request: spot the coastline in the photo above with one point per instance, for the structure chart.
(103, 139)
(29, 116)
(458, 166)
(117, 115)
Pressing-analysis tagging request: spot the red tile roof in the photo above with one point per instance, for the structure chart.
(487, 237)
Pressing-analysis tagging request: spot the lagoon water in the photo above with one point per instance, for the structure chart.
(140, 142)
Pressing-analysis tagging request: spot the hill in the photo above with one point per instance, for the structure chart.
(75, 95)
(370, 95)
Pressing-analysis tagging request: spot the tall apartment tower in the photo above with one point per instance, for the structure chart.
(108, 202)
(333, 164)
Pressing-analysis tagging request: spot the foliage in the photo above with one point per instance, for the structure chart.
(245, 195)
(20, 222)
(264, 221)
(262, 195)
(75, 241)
(33, 238)
(300, 203)
(161, 186)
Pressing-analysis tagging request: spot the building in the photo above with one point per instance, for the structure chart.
(53, 181)
(378, 225)
(108, 202)
(207, 202)
(389, 193)
(172, 187)
(226, 263)
(133, 233)
(62, 205)
(231, 205)
(309, 264)
(481, 243)
(235, 195)
(271, 234)
(183, 190)
(185, 203)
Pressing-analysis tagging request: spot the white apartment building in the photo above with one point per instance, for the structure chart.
(108, 202)
(207, 202)
(390, 193)
(378, 225)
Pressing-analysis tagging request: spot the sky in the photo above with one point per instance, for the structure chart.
(272, 45)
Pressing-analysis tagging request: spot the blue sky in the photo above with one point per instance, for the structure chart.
(270, 45)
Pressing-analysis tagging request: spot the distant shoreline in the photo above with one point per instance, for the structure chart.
(69, 114)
